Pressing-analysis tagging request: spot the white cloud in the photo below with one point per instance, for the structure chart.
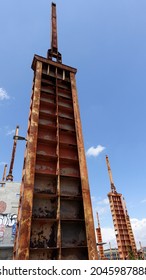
(139, 229)
(108, 235)
(102, 206)
(10, 132)
(102, 210)
(3, 94)
(103, 201)
(95, 151)
(143, 201)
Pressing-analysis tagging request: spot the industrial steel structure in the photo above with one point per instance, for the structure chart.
(55, 219)
(122, 225)
(99, 239)
(9, 177)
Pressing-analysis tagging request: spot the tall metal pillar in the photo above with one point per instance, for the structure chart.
(9, 177)
(55, 218)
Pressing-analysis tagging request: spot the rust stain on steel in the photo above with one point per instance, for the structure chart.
(43, 235)
(72, 236)
(90, 232)
(26, 211)
(70, 186)
(45, 185)
(67, 137)
(71, 209)
(67, 170)
(46, 167)
(47, 135)
(44, 208)
(44, 149)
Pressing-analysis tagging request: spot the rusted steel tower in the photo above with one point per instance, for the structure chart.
(9, 177)
(122, 225)
(99, 239)
(55, 218)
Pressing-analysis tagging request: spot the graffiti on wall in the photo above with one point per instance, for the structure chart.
(8, 220)
(2, 230)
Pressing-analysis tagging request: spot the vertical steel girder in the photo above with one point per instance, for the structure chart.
(24, 227)
(90, 231)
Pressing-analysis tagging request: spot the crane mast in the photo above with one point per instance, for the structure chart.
(113, 188)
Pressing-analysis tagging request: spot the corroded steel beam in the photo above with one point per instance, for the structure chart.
(54, 41)
(53, 52)
(90, 232)
(24, 229)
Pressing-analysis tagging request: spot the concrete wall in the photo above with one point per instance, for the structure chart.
(9, 199)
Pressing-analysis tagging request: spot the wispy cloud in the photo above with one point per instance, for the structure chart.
(10, 132)
(95, 151)
(102, 206)
(143, 201)
(139, 229)
(108, 235)
(3, 94)
(2, 163)
(103, 201)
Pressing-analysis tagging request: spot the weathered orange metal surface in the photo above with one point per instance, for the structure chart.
(90, 232)
(24, 228)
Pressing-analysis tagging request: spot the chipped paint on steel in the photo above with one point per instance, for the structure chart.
(43, 235)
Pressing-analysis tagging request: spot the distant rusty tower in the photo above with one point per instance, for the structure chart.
(99, 239)
(122, 225)
(55, 220)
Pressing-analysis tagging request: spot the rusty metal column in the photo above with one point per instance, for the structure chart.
(54, 43)
(4, 174)
(58, 174)
(90, 231)
(10, 175)
(26, 211)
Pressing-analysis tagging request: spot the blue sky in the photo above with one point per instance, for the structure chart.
(106, 41)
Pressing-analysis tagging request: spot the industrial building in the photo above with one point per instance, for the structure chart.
(9, 199)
